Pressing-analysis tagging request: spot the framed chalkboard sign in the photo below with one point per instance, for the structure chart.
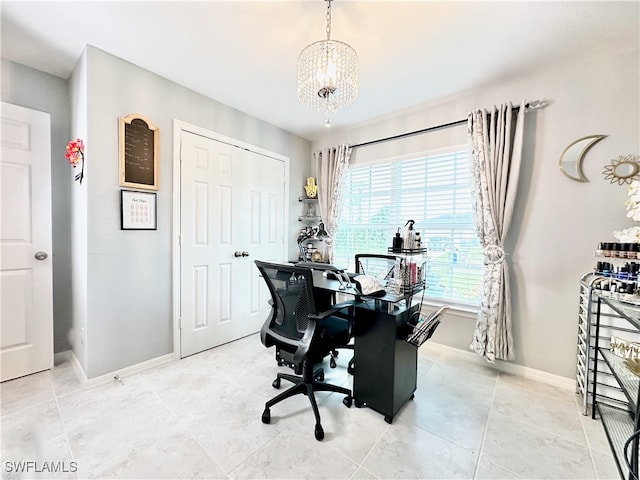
(138, 144)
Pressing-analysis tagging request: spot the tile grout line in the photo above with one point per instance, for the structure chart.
(64, 427)
(173, 414)
(373, 447)
(486, 428)
(31, 375)
(589, 447)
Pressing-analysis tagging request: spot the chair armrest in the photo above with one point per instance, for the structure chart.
(334, 309)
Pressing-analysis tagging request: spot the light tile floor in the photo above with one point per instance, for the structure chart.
(200, 417)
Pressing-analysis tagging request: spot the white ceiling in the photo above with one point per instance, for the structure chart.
(244, 54)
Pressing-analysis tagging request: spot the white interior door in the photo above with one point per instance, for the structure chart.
(232, 211)
(25, 243)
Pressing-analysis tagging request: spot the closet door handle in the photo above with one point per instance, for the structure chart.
(237, 253)
(245, 254)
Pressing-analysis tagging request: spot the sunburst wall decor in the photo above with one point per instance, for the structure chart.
(623, 170)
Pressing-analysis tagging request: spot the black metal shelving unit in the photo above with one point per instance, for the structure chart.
(619, 423)
(612, 323)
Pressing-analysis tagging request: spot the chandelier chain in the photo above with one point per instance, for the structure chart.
(328, 19)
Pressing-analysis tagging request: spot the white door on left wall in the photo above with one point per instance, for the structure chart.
(26, 285)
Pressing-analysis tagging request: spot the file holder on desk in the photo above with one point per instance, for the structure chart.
(421, 329)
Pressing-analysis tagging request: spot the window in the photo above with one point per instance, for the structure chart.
(432, 189)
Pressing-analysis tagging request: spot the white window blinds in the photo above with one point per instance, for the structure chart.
(434, 191)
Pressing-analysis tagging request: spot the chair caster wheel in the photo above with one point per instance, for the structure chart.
(388, 419)
(350, 369)
(413, 395)
(276, 383)
(332, 362)
(319, 377)
(358, 404)
(266, 416)
(319, 432)
(348, 400)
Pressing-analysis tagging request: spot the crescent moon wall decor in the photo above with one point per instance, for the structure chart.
(572, 156)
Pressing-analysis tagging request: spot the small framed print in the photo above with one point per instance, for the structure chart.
(137, 210)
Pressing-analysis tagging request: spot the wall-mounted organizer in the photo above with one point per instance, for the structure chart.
(311, 240)
(311, 214)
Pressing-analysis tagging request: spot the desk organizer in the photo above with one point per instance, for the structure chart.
(410, 271)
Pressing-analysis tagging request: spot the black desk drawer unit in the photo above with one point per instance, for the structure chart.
(385, 363)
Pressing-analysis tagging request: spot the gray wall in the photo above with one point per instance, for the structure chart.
(122, 290)
(40, 91)
(557, 221)
(129, 282)
(113, 288)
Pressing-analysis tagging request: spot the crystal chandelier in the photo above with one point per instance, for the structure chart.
(327, 73)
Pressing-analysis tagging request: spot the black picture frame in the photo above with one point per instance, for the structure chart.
(138, 210)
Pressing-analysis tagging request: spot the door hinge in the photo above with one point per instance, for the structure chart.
(180, 323)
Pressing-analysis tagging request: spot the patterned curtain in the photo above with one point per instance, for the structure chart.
(331, 169)
(496, 141)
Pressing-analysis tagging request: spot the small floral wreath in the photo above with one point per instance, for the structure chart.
(74, 155)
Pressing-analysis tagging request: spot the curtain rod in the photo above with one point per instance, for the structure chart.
(531, 105)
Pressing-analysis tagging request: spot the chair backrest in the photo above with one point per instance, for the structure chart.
(288, 326)
(380, 266)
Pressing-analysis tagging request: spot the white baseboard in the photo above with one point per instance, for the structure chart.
(77, 368)
(61, 357)
(512, 368)
(88, 383)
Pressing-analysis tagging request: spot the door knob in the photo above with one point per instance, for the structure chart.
(245, 254)
(237, 253)
(40, 255)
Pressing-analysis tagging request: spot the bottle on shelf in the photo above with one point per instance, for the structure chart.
(408, 234)
(397, 243)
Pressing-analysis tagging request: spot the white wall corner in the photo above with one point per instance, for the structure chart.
(88, 383)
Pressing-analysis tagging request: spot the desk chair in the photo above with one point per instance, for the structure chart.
(302, 335)
(342, 276)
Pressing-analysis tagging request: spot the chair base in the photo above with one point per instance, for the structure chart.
(307, 384)
(334, 354)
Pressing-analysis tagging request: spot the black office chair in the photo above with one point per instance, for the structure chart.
(343, 278)
(303, 335)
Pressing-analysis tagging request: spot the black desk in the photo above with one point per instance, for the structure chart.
(385, 364)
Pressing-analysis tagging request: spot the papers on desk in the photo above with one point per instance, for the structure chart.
(424, 327)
